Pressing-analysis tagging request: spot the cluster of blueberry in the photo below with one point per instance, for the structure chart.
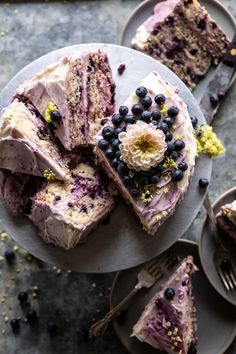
(110, 141)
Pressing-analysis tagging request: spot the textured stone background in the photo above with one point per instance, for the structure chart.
(27, 31)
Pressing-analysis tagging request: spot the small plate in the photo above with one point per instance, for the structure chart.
(122, 243)
(220, 14)
(216, 317)
(207, 247)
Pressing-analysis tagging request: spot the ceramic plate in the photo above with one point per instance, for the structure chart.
(216, 318)
(207, 248)
(215, 9)
(121, 244)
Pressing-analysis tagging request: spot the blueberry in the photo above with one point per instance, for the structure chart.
(123, 110)
(52, 328)
(169, 293)
(70, 205)
(177, 175)
(169, 136)
(141, 91)
(134, 192)
(116, 119)
(156, 114)
(110, 153)
(118, 154)
(57, 198)
(146, 101)
(137, 108)
(214, 101)
(108, 132)
(164, 127)
(170, 147)
(55, 116)
(129, 119)
(154, 179)
(172, 111)
(182, 166)
(169, 121)
(146, 116)
(23, 297)
(143, 180)
(103, 144)
(174, 155)
(159, 169)
(127, 181)
(31, 315)
(115, 162)
(203, 183)
(179, 145)
(122, 169)
(115, 144)
(160, 99)
(15, 325)
(194, 121)
(118, 131)
(9, 255)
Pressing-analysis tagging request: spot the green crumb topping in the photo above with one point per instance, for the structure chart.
(169, 163)
(49, 175)
(51, 107)
(146, 197)
(207, 141)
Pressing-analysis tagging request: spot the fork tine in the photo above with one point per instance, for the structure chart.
(232, 277)
(154, 262)
(224, 281)
(155, 269)
(229, 280)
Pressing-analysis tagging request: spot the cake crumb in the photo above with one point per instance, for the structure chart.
(121, 69)
(94, 285)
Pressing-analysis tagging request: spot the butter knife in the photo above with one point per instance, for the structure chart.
(219, 83)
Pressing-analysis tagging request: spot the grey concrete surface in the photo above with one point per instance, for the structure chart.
(73, 301)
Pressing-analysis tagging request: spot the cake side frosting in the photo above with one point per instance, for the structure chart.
(65, 213)
(226, 219)
(168, 321)
(165, 193)
(26, 145)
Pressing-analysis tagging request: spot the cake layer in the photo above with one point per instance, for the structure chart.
(26, 145)
(153, 191)
(168, 322)
(183, 36)
(226, 219)
(17, 189)
(65, 213)
(73, 94)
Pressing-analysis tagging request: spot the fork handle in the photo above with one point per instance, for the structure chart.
(99, 327)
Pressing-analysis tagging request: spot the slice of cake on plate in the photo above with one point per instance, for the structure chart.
(148, 149)
(26, 144)
(226, 219)
(74, 95)
(168, 322)
(17, 189)
(184, 37)
(65, 212)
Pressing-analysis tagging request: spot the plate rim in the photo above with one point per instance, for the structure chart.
(183, 241)
(200, 245)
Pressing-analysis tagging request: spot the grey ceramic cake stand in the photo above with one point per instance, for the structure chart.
(121, 243)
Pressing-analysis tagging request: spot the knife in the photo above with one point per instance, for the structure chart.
(219, 83)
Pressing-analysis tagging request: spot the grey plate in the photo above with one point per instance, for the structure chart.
(215, 9)
(207, 248)
(216, 318)
(121, 244)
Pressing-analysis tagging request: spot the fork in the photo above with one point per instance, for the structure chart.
(223, 261)
(147, 277)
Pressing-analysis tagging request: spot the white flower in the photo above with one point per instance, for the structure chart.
(142, 146)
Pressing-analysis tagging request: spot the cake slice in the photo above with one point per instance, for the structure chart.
(168, 322)
(74, 95)
(65, 212)
(184, 37)
(148, 149)
(226, 219)
(26, 144)
(17, 189)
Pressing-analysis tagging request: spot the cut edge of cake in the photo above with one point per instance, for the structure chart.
(226, 219)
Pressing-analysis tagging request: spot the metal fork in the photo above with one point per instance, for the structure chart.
(223, 261)
(147, 277)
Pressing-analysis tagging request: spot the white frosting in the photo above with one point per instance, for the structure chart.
(140, 38)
